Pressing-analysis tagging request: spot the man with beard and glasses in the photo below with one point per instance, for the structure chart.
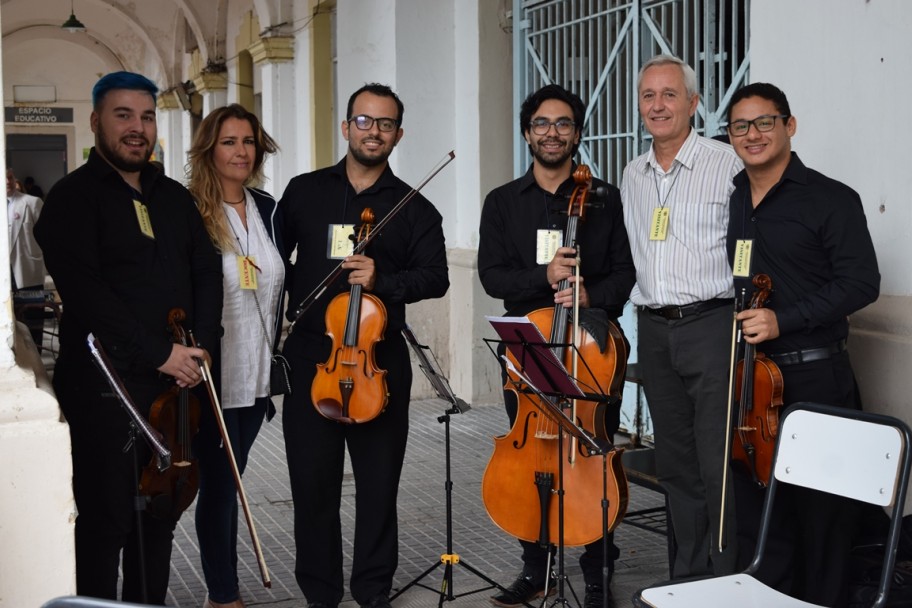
(125, 245)
(521, 260)
(403, 264)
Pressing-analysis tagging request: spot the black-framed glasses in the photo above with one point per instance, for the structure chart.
(563, 126)
(739, 128)
(365, 122)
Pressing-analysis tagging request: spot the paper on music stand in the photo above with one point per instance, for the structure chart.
(431, 369)
(530, 349)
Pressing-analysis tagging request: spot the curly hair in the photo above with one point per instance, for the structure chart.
(202, 178)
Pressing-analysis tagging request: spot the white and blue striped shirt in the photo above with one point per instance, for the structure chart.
(691, 264)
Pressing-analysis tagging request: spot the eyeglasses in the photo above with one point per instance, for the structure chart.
(563, 126)
(365, 122)
(739, 128)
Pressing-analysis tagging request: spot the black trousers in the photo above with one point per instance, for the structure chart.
(684, 363)
(105, 487)
(315, 448)
(807, 553)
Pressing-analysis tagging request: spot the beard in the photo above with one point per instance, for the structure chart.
(129, 163)
(550, 160)
(376, 159)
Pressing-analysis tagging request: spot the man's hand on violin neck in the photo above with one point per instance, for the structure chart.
(362, 271)
(183, 365)
(562, 265)
(758, 325)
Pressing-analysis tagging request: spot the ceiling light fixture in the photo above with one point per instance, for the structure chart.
(73, 24)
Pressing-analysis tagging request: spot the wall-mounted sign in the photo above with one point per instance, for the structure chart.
(38, 114)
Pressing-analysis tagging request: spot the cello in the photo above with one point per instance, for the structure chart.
(759, 390)
(518, 486)
(175, 414)
(350, 388)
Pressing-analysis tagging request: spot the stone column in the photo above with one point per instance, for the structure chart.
(281, 109)
(170, 133)
(212, 85)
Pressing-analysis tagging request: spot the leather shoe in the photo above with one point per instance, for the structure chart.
(524, 589)
(595, 597)
(378, 601)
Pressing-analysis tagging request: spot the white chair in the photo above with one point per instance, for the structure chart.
(78, 601)
(835, 450)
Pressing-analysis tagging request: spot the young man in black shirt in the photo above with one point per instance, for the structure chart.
(808, 233)
(403, 264)
(125, 245)
(516, 264)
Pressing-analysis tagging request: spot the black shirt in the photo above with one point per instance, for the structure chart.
(811, 238)
(510, 220)
(116, 282)
(409, 253)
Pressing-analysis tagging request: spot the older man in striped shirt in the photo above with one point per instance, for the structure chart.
(675, 199)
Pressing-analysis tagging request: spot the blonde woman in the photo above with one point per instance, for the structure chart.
(244, 224)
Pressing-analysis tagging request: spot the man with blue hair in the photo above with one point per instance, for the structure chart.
(125, 245)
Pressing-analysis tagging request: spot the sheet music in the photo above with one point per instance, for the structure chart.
(432, 371)
(530, 349)
(107, 370)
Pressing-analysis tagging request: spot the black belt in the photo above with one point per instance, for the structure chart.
(679, 312)
(808, 354)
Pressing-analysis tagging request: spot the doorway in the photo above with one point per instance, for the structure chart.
(42, 157)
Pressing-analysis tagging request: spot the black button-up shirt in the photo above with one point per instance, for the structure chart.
(116, 282)
(409, 253)
(510, 220)
(811, 238)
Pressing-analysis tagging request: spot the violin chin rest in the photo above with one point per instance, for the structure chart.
(332, 409)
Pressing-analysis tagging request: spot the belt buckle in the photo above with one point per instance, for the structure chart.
(675, 313)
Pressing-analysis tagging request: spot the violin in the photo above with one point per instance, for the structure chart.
(175, 414)
(759, 390)
(350, 388)
(518, 487)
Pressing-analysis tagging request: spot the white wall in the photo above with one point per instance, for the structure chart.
(37, 510)
(847, 83)
(449, 61)
(844, 66)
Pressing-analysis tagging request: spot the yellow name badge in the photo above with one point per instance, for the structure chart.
(546, 244)
(142, 216)
(741, 265)
(658, 231)
(339, 242)
(247, 270)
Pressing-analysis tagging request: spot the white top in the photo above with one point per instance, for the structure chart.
(245, 352)
(691, 264)
(26, 259)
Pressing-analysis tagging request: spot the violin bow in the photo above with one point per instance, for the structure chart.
(362, 245)
(107, 370)
(577, 340)
(229, 451)
(733, 366)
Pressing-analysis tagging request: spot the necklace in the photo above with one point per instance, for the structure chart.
(235, 202)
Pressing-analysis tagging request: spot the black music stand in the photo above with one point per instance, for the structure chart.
(136, 423)
(545, 376)
(431, 369)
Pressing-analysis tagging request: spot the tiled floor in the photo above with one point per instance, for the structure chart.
(422, 515)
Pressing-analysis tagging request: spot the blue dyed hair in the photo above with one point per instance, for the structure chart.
(122, 80)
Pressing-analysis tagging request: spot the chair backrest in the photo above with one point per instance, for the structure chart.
(858, 457)
(845, 452)
(75, 601)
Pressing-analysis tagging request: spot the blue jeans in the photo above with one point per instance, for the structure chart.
(217, 503)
